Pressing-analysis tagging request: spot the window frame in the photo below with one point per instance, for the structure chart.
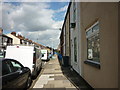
(74, 12)
(90, 33)
(11, 65)
(8, 66)
(75, 49)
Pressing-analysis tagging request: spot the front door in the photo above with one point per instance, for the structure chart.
(75, 62)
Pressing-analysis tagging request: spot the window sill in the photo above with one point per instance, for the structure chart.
(92, 63)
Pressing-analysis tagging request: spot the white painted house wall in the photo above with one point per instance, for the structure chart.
(64, 42)
(79, 38)
(71, 38)
(15, 39)
(75, 32)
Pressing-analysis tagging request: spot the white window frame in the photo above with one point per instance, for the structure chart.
(89, 34)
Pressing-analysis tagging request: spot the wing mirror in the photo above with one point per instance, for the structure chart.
(20, 71)
(24, 69)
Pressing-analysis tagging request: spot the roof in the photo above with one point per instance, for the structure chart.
(20, 37)
(39, 44)
(6, 36)
(66, 17)
(23, 38)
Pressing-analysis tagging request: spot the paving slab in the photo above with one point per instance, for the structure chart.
(49, 86)
(53, 77)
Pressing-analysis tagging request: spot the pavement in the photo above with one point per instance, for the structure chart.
(56, 76)
(52, 76)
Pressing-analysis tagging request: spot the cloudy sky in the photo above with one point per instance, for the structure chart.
(38, 21)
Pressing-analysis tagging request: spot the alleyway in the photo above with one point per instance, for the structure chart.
(52, 76)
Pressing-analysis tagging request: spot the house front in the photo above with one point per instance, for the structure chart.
(4, 42)
(16, 40)
(75, 37)
(99, 25)
(93, 42)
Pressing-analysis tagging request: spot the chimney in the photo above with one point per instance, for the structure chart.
(1, 31)
(19, 36)
(13, 33)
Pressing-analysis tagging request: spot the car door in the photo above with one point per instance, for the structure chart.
(8, 77)
(22, 74)
(14, 77)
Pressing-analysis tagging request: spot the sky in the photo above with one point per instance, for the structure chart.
(37, 21)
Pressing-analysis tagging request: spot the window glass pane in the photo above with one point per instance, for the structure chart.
(74, 11)
(93, 44)
(75, 49)
(90, 49)
(89, 32)
(96, 49)
(15, 66)
(5, 68)
(74, 5)
(95, 28)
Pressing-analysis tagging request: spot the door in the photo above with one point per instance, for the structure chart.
(17, 70)
(12, 77)
(9, 79)
(75, 62)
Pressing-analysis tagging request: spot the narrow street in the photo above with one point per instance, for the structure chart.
(52, 76)
(63, 44)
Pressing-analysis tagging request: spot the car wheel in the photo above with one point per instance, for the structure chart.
(29, 81)
(34, 76)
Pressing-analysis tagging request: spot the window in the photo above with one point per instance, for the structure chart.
(15, 66)
(74, 11)
(5, 68)
(93, 43)
(75, 49)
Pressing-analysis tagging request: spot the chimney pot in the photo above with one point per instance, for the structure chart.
(13, 33)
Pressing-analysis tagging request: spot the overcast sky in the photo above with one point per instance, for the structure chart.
(38, 21)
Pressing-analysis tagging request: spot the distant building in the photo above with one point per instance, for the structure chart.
(65, 37)
(58, 48)
(16, 40)
(39, 45)
(19, 39)
(62, 43)
(4, 40)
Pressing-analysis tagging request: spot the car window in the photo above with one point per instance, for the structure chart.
(1, 54)
(15, 66)
(5, 68)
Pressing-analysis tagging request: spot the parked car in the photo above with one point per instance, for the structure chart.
(49, 56)
(29, 56)
(44, 55)
(14, 74)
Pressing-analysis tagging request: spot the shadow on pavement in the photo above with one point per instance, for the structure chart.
(74, 77)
